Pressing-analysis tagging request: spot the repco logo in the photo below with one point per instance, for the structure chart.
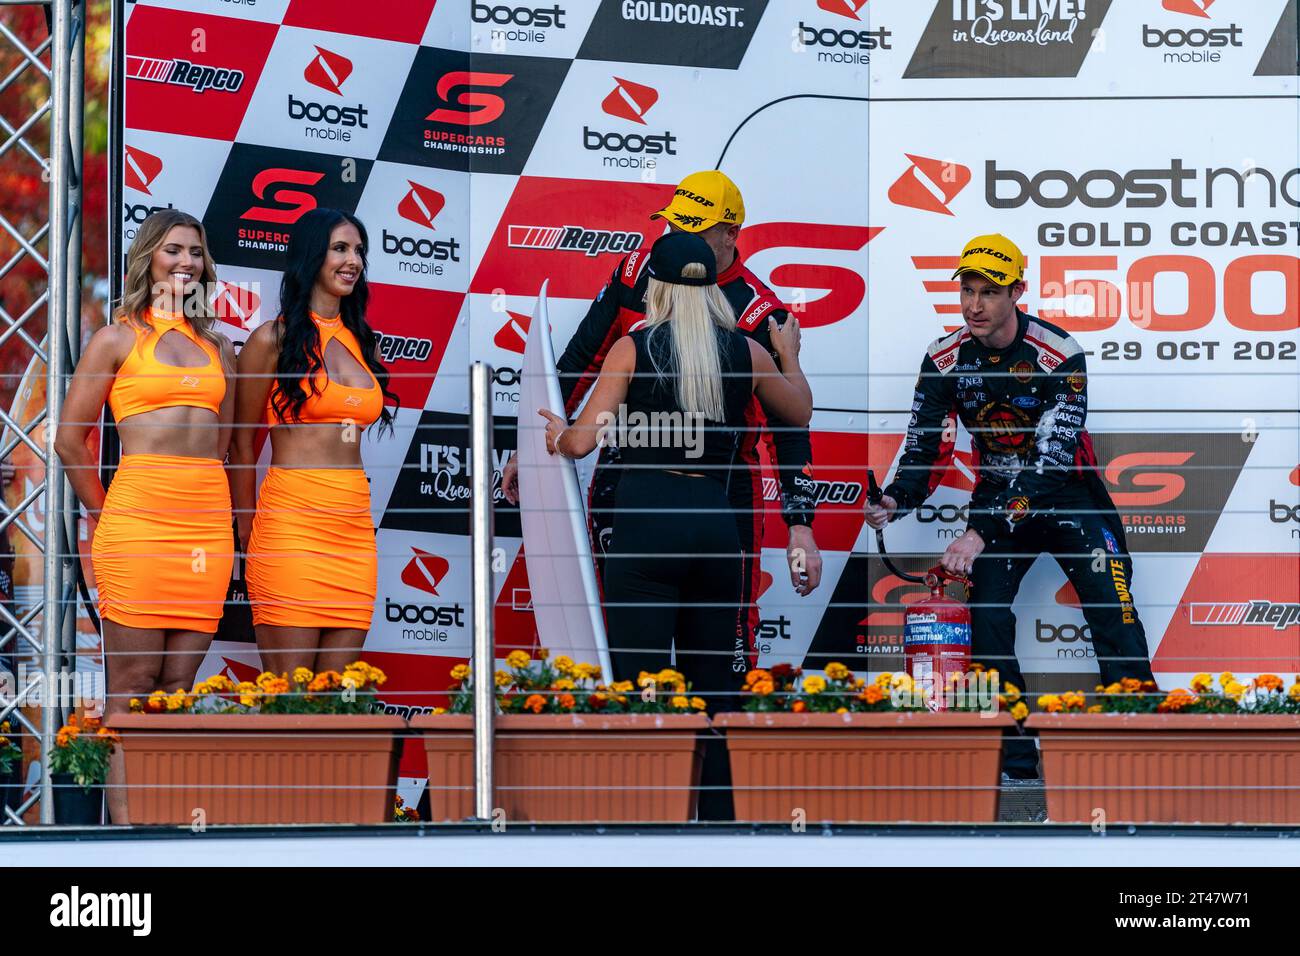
(842, 288)
(1165, 486)
(402, 347)
(836, 492)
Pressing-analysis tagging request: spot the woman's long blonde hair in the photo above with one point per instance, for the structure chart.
(137, 290)
(690, 313)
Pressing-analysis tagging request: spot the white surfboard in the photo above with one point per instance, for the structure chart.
(557, 549)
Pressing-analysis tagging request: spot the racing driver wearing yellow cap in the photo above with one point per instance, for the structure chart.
(1020, 387)
(708, 204)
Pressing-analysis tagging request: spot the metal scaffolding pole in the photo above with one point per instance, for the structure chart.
(42, 632)
(62, 213)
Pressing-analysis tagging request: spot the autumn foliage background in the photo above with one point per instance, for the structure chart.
(24, 194)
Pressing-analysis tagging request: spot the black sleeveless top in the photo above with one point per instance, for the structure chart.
(653, 431)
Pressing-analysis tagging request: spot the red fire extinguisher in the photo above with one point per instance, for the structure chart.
(936, 639)
(936, 631)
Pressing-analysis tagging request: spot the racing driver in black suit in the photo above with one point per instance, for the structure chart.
(1019, 385)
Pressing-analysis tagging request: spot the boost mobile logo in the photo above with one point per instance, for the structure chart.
(630, 101)
(184, 73)
(929, 184)
(1195, 8)
(141, 169)
(425, 571)
(421, 204)
(844, 8)
(328, 71)
(236, 304)
(513, 336)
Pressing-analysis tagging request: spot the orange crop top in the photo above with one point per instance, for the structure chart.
(143, 383)
(332, 403)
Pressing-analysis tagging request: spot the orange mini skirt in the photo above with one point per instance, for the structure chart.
(312, 560)
(164, 548)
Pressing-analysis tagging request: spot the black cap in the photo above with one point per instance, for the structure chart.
(673, 251)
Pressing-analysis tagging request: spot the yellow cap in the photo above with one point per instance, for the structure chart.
(702, 200)
(995, 257)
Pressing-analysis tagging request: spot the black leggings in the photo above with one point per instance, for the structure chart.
(672, 579)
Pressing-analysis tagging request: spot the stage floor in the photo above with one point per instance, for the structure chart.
(695, 845)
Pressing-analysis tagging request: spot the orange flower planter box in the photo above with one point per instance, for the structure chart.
(604, 768)
(260, 768)
(865, 768)
(1171, 768)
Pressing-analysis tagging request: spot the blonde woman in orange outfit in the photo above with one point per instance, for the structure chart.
(163, 547)
(314, 377)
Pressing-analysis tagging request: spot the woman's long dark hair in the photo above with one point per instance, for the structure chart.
(300, 348)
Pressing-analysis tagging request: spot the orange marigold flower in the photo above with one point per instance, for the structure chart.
(1130, 684)
(1176, 700)
(799, 707)
(873, 694)
(535, 703)
(1268, 682)
(566, 701)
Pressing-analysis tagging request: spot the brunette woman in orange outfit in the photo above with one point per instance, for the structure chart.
(163, 548)
(314, 376)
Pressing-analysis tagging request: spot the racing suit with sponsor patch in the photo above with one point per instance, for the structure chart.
(616, 312)
(1037, 490)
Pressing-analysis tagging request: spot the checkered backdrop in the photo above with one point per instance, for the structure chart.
(1144, 154)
